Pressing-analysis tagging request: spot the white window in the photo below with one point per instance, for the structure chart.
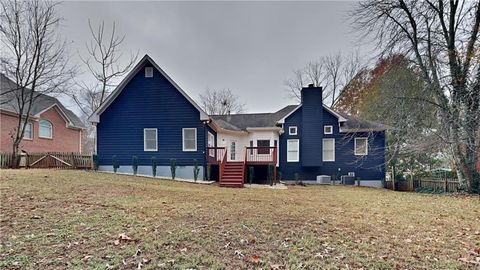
(361, 146)
(148, 72)
(45, 130)
(328, 149)
(292, 130)
(150, 139)
(327, 129)
(28, 134)
(189, 139)
(293, 151)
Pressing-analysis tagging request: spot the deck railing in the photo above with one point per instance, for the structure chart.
(215, 154)
(261, 155)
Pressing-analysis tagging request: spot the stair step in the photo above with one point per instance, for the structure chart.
(236, 177)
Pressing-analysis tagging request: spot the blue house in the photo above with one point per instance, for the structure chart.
(149, 115)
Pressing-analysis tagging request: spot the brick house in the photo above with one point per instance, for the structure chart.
(51, 127)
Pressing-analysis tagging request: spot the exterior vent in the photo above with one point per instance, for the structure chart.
(149, 72)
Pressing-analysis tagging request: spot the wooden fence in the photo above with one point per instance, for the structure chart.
(5, 160)
(425, 185)
(57, 160)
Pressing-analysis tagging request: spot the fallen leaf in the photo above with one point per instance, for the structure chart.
(255, 259)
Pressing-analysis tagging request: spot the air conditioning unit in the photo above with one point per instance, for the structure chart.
(324, 179)
(348, 180)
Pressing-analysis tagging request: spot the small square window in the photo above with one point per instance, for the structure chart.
(149, 72)
(292, 130)
(327, 129)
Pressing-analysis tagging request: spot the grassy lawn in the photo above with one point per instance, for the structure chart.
(78, 220)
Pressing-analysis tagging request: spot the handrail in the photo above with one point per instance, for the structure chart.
(222, 165)
(217, 154)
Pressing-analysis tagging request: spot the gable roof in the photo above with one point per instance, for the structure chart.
(95, 117)
(240, 122)
(41, 103)
(334, 113)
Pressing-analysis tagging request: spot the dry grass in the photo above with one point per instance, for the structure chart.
(71, 219)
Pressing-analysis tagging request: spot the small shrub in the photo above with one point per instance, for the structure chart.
(196, 169)
(115, 163)
(209, 172)
(297, 179)
(251, 174)
(154, 166)
(135, 165)
(173, 167)
(95, 162)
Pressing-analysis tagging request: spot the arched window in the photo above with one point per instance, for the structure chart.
(46, 129)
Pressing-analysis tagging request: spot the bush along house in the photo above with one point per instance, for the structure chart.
(149, 117)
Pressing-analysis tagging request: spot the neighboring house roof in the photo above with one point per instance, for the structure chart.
(240, 122)
(95, 117)
(41, 103)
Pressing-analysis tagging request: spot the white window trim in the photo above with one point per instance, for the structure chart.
(325, 129)
(40, 126)
(366, 147)
(293, 133)
(31, 131)
(147, 74)
(183, 140)
(145, 141)
(323, 146)
(298, 150)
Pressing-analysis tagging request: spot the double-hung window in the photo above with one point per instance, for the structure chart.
(150, 139)
(328, 150)
(361, 146)
(28, 134)
(293, 150)
(189, 139)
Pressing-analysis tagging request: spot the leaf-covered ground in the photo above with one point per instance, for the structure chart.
(79, 220)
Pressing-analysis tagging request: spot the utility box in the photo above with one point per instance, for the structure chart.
(324, 179)
(348, 180)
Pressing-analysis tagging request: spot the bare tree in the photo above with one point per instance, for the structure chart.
(441, 40)
(104, 64)
(332, 72)
(221, 102)
(35, 58)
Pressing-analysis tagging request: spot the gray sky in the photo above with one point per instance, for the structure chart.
(249, 47)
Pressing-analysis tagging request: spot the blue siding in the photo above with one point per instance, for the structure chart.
(312, 122)
(149, 103)
(370, 167)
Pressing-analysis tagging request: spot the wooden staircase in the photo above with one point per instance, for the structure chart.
(232, 174)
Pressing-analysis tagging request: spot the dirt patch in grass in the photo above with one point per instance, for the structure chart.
(78, 220)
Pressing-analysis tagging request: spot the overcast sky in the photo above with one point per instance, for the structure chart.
(249, 47)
